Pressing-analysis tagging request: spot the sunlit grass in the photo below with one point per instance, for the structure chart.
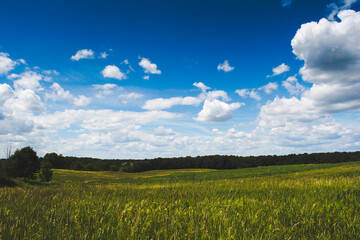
(307, 204)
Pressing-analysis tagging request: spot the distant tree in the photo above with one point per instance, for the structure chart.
(23, 163)
(45, 173)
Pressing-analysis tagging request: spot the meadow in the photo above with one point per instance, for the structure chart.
(319, 201)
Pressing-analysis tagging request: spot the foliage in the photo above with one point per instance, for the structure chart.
(24, 163)
(206, 162)
(45, 173)
(316, 204)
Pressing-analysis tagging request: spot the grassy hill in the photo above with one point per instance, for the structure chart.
(276, 202)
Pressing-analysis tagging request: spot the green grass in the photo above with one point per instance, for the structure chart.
(279, 202)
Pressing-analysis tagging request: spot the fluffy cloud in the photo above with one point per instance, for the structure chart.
(27, 80)
(105, 89)
(6, 92)
(6, 64)
(280, 69)
(293, 86)
(225, 66)
(268, 88)
(247, 93)
(331, 63)
(331, 54)
(216, 111)
(166, 103)
(83, 54)
(148, 66)
(112, 71)
(24, 101)
(59, 94)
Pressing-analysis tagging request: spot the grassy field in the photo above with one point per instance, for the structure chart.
(277, 202)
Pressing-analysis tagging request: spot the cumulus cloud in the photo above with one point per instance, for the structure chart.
(147, 77)
(6, 64)
(112, 71)
(27, 80)
(83, 54)
(6, 92)
(216, 111)
(166, 103)
(225, 66)
(248, 93)
(24, 101)
(268, 88)
(59, 94)
(105, 89)
(280, 69)
(148, 66)
(331, 54)
(293, 86)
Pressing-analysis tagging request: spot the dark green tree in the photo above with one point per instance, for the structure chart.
(24, 163)
(45, 173)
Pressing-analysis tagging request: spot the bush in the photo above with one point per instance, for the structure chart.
(23, 163)
(45, 173)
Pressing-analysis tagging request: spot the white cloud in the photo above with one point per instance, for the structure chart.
(81, 101)
(22, 61)
(83, 54)
(293, 86)
(6, 64)
(124, 98)
(225, 66)
(148, 66)
(27, 80)
(99, 120)
(6, 92)
(247, 93)
(112, 71)
(105, 89)
(216, 111)
(59, 94)
(161, 131)
(146, 77)
(103, 55)
(268, 88)
(50, 72)
(335, 9)
(166, 103)
(202, 86)
(332, 61)
(24, 101)
(280, 69)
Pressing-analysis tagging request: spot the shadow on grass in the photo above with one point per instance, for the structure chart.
(4, 182)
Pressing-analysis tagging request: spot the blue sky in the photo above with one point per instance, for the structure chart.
(143, 79)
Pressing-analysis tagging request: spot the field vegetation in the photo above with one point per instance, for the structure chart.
(318, 201)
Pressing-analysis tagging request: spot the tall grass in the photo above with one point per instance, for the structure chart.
(316, 204)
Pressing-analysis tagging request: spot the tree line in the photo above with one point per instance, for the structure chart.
(211, 162)
(25, 164)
